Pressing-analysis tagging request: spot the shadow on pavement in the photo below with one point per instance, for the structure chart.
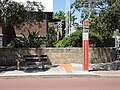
(27, 69)
(7, 68)
(35, 69)
(105, 66)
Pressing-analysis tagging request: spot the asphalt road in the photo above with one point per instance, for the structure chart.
(38, 83)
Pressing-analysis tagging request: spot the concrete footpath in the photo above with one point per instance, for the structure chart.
(61, 70)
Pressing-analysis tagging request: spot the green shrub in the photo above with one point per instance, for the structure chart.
(96, 38)
(74, 40)
(11, 45)
(52, 37)
(32, 40)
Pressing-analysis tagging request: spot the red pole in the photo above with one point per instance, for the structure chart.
(85, 52)
(85, 44)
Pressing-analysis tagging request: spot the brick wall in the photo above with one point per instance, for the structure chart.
(33, 27)
(59, 55)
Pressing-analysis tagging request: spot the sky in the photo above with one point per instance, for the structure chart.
(60, 5)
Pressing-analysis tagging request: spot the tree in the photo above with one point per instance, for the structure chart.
(14, 13)
(72, 16)
(90, 8)
(104, 16)
(93, 8)
(107, 21)
(59, 15)
(52, 37)
(18, 14)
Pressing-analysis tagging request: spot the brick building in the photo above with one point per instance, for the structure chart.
(12, 32)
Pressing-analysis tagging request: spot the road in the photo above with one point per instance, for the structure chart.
(38, 83)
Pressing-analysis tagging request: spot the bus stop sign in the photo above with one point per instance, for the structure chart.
(85, 39)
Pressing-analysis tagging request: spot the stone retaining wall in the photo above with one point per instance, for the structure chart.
(59, 55)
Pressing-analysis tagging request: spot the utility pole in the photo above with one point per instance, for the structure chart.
(67, 17)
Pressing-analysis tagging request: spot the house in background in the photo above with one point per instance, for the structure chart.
(12, 32)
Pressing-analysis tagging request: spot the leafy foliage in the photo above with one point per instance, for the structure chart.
(59, 15)
(108, 20)
(52, 37)
(32, 40)
(14, 13)
(103, 15)
(19, 14)
(74, 40)
(93, 8)
(95, 39)
(89, 8)
(72, 16)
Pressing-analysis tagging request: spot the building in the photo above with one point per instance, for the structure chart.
(12, 32)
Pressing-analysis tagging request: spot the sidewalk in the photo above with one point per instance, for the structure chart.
(65, 70)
